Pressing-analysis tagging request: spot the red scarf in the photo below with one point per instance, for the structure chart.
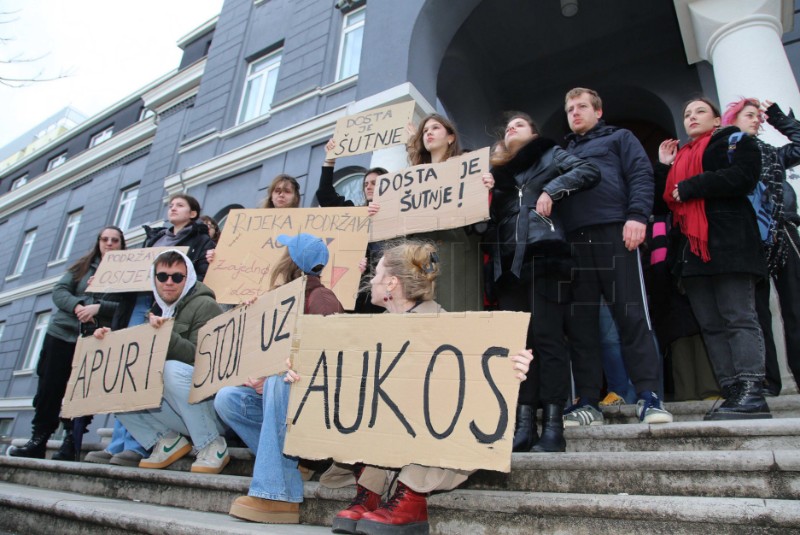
(690, 215)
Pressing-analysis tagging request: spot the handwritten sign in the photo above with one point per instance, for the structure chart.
(120, 373)
(248, 341)
(248, 248)
(394, 389)
(432, 197)
(127, 271)
(371, 130)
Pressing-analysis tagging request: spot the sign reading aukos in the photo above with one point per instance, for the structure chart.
(395, 389)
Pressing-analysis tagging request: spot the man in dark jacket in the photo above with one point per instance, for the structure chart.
(180, 296)
(605, 226)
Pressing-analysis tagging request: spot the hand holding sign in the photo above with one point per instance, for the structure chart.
(432, 197)
(370, 130)
(396, 389)
(117, 371)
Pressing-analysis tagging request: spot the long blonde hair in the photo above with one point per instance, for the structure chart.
(284, 271)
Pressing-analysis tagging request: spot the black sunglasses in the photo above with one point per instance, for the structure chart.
(177, 278)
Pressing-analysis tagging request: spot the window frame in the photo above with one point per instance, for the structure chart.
(346, 30)
(18, 182)
(40, 325)
(24, 252)
(57, 161)
(276, 57)
(69, 234)
(101, 137)
(123, 210)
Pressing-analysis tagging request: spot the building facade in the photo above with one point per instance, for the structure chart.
(260, 87)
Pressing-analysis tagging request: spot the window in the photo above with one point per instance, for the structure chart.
(145, 113)
(262, 77)
(37, 340)
(57, 161)
(98, 138)
(19, 182)
(25, 252)
(350, 45)
(351, 187)
(127, 201)
(2, 329)
(68, 238)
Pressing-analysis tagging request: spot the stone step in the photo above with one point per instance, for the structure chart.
(775, 434)
(33, 510)
(745, 474)
(38, 511)
(786, 406)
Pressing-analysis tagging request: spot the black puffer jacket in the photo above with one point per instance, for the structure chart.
(540, 166)
(734, 242)
(197, 240)
(625, 191)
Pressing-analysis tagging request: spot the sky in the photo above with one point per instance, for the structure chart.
(105, 49)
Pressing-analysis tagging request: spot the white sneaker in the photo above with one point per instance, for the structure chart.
(213, 458)
(167, 450)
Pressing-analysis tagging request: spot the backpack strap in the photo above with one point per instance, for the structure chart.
(732, 141)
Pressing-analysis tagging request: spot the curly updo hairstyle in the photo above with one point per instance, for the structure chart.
(416, 264)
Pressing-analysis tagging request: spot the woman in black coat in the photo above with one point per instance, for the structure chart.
(531, 264)
(716, 251)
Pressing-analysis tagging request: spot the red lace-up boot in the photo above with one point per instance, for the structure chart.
(365, 501)
(405, 513)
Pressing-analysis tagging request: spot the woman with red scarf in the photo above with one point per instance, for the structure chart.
(716, 252)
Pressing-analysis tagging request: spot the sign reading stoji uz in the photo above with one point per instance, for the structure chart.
(248, 341)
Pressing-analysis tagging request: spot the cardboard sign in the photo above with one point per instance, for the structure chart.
(432, 197)
(371, 130)
(395, 389)
(248, 248)
(248, 341)
(122, 372)
(127, 271)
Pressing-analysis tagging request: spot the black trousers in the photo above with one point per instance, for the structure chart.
(53, 369)
(548, 378)
(787, 283)
(605, 268)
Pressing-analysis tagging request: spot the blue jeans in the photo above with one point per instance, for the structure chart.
(198, 420)
(613, 364)
(725, 308)
(122, 440)
(261, 422)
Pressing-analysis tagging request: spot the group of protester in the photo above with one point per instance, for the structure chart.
(564, 242)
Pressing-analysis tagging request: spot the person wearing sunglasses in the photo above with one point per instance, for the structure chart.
(191, 304)
(76, 311)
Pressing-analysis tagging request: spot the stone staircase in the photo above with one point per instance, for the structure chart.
(686, 477)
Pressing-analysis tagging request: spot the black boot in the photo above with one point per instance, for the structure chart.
(35, 448)
(747, 402)
(67, 450)
(524, 429)
(552, 430)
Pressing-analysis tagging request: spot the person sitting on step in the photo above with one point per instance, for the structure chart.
(179, 295)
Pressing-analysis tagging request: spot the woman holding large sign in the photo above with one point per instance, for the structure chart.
(435, 141)
(256, 411)
(77, 312)
(532, 265)
(404, 282)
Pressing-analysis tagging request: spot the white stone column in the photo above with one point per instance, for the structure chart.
(742, 41)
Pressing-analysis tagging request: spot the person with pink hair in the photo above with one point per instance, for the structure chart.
(782, 250)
